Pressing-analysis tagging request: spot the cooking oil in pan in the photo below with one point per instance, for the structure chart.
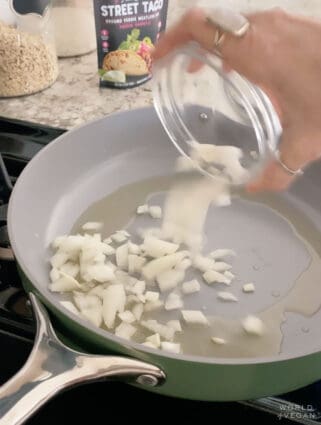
(278, 248)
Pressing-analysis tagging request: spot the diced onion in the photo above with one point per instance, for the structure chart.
(175, 324)
(114, 299)
(253, 325)
(248, 287)
(171, 347)
(156, 248)
(92, 225)
(169, 279)
(127, 316)
(191, 287)
(194, 317)
(211, 276)
(154, 339)
(160, 265)
(155, 211)
(220, 266)
(218, 341)
(173, 302)
(218, 254)
(125, 330)
(226, 296)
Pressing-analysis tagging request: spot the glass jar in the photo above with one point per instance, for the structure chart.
(210, 106)
(28, 61)
(74, 25)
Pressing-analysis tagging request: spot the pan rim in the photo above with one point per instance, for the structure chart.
(102, 333)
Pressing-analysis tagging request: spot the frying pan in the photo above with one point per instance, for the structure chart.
(90, 162)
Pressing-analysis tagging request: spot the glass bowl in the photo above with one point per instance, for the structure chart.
(209, 105)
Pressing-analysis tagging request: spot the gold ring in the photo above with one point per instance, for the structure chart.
(218, 40)
(226, 21)
(290, 171)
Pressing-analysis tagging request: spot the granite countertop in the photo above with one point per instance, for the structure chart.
(76, 98)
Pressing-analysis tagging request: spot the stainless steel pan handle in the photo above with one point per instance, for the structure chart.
(53, 367)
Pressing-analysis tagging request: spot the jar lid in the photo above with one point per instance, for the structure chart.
(198, 101)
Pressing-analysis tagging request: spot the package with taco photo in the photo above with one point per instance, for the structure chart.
(127, 30)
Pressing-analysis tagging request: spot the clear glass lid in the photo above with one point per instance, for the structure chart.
(198, 101)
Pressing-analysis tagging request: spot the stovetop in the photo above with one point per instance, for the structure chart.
(19, 142)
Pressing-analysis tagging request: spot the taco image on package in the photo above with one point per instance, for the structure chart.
(126, 61)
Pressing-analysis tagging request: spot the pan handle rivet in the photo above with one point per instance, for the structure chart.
(147, 380)
(203, 116)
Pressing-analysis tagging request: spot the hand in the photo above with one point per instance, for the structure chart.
(280, 53)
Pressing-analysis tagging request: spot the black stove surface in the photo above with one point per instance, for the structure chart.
(19, 142)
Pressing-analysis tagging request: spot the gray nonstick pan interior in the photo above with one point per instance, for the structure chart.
(277, 237)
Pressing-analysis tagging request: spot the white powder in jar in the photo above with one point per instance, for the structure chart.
(74, 31)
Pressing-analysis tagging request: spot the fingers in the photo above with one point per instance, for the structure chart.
(274, 179)
(193, 26)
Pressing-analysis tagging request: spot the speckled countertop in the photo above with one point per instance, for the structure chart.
(76, 98)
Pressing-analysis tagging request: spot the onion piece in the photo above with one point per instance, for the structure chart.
(171, 347)
(184, 265)
(153, 305)
(220, 266)
(64, 284)
(138, 310)
(135, 263)
(156, 248)
(175, 324)
(154, 339)
(191, 287)
(155, 211)
(72, 243)
(107, 249)
(194, 317)
(218, 254)
(56, 243)
(122, 256)
(90, 307)
(68, 305)
(211, 276)
(142, 209)
(108, 241)
(94, 316)
(218, 341)
(160, 265)
(98, 291)
(70, 268)
(125, 330)
(253, 325)
(133, 248)
(92, 225)
(100, 273)
(203, 263)
(131, 299)
(226, 296)
(229, 275)
(138, 288)
(152, 296)
(114, 299)
(119, 237)
(149, 344)
(173, 302)
(127, 316)
(248, 287)
(164, 331)
(54, 275)
(169, 279)
(58, 259)
(124, 278)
